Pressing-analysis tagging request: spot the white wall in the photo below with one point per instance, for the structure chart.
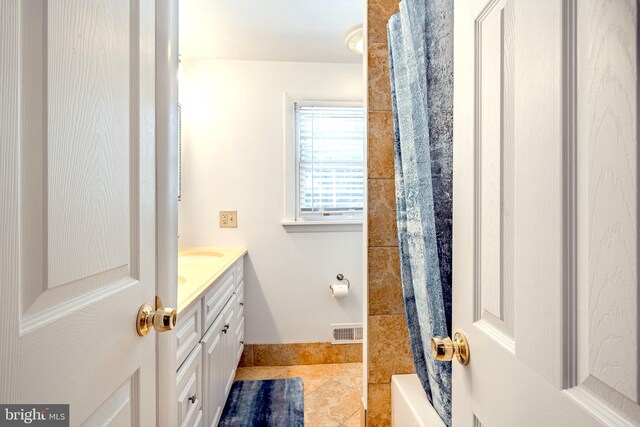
(232, 159)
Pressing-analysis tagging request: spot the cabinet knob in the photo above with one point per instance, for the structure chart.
(241, 302)
(193, 398)
(242, 342)
(226, 328)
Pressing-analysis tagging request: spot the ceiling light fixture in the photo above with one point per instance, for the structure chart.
(355, 40)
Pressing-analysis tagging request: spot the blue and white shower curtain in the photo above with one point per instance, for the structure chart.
(421, 70)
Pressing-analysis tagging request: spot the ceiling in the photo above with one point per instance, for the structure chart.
(269, 30)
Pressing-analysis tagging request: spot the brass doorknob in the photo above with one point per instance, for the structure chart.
(162, 318)
(443, 348)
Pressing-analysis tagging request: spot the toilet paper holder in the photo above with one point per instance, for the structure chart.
(341, 278)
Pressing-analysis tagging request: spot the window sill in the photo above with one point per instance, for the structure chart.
(321, 226)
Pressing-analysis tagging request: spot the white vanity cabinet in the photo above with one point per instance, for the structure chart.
(219, 347)
(210, 361)
(213, 346)
(189, 381)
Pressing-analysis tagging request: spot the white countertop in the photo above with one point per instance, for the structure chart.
(198, 268)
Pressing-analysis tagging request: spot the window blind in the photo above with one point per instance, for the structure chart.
(330, 160)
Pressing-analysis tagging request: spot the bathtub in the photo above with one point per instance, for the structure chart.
(409, 405)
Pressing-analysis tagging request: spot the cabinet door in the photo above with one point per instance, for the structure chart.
(230, 343)
(239, 329)
(189, 388)
(214, 356)
(239, 344)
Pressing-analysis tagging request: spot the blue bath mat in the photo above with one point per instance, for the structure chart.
(272, 403)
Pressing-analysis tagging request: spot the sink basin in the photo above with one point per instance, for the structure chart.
(199, 257)
(197, 265)
(201, 253)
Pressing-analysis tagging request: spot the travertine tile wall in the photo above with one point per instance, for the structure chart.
(388, 342)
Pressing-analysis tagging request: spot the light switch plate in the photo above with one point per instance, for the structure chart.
(228, 219)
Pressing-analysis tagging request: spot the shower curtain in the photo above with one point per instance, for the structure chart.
(421, 71)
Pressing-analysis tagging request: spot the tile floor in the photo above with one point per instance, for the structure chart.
(332, 392)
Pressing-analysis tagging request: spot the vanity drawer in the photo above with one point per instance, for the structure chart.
(240, 300)
(240, 343)
(215, 299)
(188, 332)
(240, 270)
(189, 388)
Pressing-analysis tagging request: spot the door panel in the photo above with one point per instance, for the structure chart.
(607, 203)
(88, 188)
(546, 211)
(495, 160)
(80, 206)
(118, 407)
(539, 188)
(85, 189)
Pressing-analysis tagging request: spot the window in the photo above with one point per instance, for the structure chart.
(329, 156)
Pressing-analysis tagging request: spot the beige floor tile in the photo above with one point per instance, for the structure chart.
(333, 400)
(313, 371)
(354, 420)
(245, 374)
(349, 380)
(315, 419)
(354, 368)
(351, 375)
(311, 385)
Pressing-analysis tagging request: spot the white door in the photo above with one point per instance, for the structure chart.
(545, 276)
(77, 206)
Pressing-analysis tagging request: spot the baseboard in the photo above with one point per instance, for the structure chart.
(300, 354)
